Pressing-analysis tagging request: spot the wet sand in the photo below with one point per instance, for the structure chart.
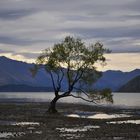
(29, 121)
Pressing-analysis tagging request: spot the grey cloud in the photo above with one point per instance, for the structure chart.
(63, 6)
(13, 41)
(123, 48)
(5, 51)
(14, 14)
(88, 7)
(18, 41)
(106, 32)
(129, 17)
(134, 5)
(42, 21)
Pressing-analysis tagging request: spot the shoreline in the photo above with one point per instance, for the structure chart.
(120, 100)
(32, 101)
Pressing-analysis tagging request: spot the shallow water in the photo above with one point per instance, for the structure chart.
(8, 135)
(120, 99)
(73, 133)
(98, 116)
(77, 129)
(18, 123)
(127, 121)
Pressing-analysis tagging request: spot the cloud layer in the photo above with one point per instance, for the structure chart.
(28, 26)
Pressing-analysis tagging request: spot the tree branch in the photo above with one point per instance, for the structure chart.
(59, 80)
(82, 91)
(77, 78)
(68, 76)
(61, 77)
(52, 79)
(85, 93)
(91, 101)
(65, 94)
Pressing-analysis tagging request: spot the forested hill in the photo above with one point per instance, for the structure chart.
(132, 86)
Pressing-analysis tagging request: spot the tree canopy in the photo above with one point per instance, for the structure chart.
(74, 62)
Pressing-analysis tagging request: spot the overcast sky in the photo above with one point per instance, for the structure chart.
(29, 26)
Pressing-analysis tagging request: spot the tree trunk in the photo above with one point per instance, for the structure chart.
(52, 107)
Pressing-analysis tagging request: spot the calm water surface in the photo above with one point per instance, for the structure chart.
(120, 99)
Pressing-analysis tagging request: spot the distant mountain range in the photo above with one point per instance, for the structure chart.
(132, 86)
(16, 75)
(24, 88)
(116, 79)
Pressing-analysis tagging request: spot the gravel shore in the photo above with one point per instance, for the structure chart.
(29, 121)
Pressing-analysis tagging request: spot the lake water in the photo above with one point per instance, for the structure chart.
(120, 99)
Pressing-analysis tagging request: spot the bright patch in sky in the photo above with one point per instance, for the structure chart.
(122, 61)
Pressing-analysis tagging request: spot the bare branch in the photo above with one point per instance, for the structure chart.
(91, 101)
(85, 93)
(68, 76)
(61, 76)
(60, 79)
(52, 79)
(82, 91)
(77, 78)
(65, 94)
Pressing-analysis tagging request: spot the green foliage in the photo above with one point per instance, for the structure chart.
(79, 62)
(106, 94)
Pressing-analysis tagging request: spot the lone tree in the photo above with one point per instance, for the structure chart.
(72, 62)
